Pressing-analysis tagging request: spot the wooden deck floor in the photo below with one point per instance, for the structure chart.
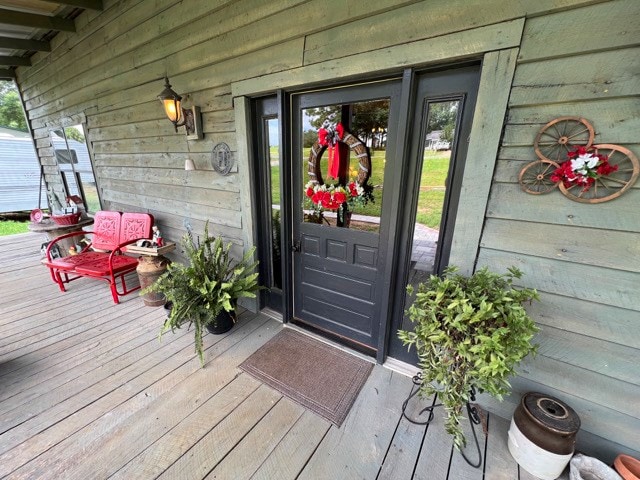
(88, 392)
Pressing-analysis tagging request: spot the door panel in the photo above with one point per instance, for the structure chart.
(267, 180)
(339, 266)
(443, 106)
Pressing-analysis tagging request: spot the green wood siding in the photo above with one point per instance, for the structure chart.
(541, 60)
(584, 259)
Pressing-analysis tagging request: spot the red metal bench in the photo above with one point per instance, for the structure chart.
(104, 257)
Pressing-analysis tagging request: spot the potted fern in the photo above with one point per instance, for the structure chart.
(470, 334)
(204, 293)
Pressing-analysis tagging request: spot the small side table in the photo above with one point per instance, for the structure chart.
(151, 264)
(52, 230)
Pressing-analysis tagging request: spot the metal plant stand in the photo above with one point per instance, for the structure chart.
(474, 416)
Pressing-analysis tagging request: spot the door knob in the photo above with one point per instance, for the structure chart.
(296, 247)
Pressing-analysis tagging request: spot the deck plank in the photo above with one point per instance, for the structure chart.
(71, 377)
(59, 361)
(435, 455)
(171, 395)
(287, 460)
(358, 447)
(214, 446)
(499, 464)
(21, 366)
(400, 461)
(459, 468)
(254, 448)
(170, 447)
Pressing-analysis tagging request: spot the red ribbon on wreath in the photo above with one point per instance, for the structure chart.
(328, 136)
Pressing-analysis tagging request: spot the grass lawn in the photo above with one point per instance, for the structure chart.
(432, 181)
(11, 227)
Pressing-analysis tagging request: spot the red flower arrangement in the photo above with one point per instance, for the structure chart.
(331, 197)
(583, 168)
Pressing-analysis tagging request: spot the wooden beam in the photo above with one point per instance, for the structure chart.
(9, 61)
(24, 44)
(7, 74)
(11, 17)
(88, 4)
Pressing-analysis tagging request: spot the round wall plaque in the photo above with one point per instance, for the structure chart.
(221, 158)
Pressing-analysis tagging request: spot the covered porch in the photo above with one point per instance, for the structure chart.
(89, 392)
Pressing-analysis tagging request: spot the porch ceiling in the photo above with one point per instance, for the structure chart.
(27, 26)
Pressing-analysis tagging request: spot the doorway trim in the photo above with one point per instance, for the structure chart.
(498, 68)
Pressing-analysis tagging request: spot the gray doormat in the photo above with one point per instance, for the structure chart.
(318, 376)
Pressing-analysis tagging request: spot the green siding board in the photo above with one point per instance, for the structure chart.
(606, 115)
(576, 350)
(592, 28)
(152, 161)
(224, 201)
(219, 216)
(613, 287)
(611, 393)
(605, 132)
(588, 246)
(606, 322)
(456, 46)
(177, 176)
(582, 77)
(423, 20)
(510, 202)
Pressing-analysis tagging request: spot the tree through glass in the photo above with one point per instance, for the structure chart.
(340, 165)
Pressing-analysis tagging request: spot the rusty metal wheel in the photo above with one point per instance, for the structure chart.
(610, 186)
(535, 179)
(562, 135)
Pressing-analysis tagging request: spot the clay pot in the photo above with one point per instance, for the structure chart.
(628, 467)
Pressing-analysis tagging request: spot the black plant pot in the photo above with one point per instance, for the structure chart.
(222, 323)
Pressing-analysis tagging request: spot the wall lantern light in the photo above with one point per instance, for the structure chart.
(190, 118)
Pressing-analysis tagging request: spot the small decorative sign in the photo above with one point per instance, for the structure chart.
(221, 158)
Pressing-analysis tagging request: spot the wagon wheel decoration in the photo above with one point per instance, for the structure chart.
(355, 145)
(562, 135)
(608, 187)
(535, 177)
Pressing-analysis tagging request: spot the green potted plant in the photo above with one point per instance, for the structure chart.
(206, 290)
(470, 333)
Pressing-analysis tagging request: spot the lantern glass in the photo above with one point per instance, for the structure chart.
(173, 109)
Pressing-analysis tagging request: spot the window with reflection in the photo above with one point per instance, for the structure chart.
(344, 156)
(72, 156)
(272, 137)
(436, 165)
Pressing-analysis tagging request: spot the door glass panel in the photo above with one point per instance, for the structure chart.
(442, 118)
(272, 137)
(341, 188)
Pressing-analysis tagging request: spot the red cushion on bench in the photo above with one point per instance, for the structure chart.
(100, 267)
